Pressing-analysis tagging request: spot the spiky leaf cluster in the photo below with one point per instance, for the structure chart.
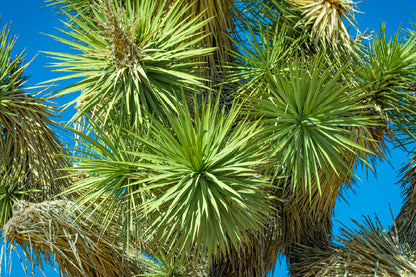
(196, 166)
(133, 57)
(26, 140)
(327, 19)
(307, 113)
(208, 193)
(388, 74)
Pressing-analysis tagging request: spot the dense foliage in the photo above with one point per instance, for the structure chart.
(211, 136)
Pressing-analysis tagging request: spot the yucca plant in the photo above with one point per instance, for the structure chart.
(208, 164)
(299, 103)
(307, 112)
(327, 19)
(168, 179)
(26, 138)
(388, 72)
(194, 166)
(134, 57)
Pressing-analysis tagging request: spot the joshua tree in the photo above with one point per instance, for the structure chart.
(211, 137)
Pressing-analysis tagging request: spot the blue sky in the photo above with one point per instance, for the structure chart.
(372, 196)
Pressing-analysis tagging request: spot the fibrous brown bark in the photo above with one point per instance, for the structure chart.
(50, 230)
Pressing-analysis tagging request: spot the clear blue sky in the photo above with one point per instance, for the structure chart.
(373, 195)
